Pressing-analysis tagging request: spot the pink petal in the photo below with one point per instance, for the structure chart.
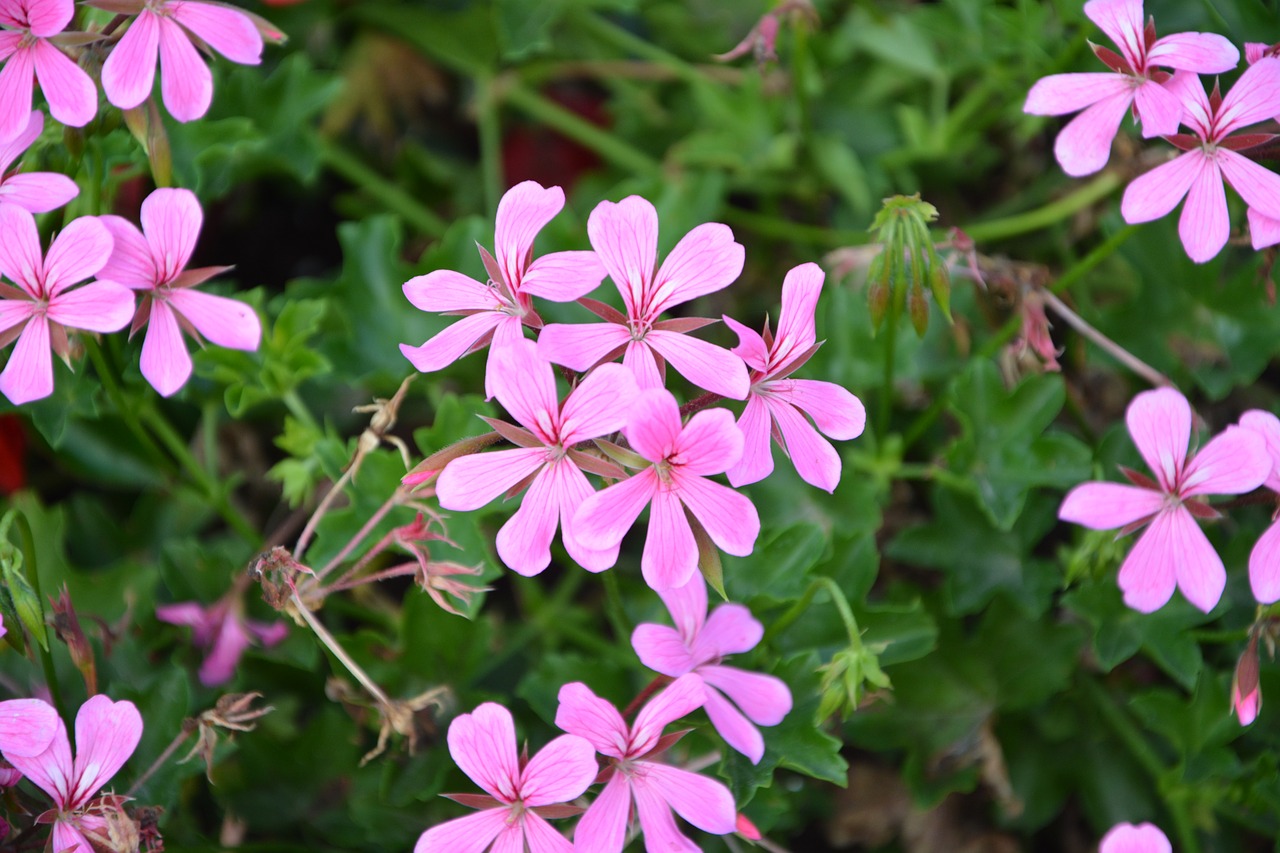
(763, 698)
(66, 837)
(38, 192)
(1159, 422)
(560, 772)
(640, 360)
(468, 834)
(662, 649)
(1263, 230)
(524, 542)
(523, 211)
(1060, 94)
(1203, 53)
(599, 406)
(470, 482)
(563, 276)
(78, 252)
(15, 311)
(655, 427)
(736, 729)
(1154, 194)
(1266, 425)
(542, 837)
(52, 770)
(1148, 575)
(580, 346)
(106, 735)
(703, 802)
(451, 343)
(687, 605)
(705, 260)
(1159, 110)
(710, 443)
(29, 374)
(706, 365)
(657, 823)
(1205, 225)
(625, 238)
(815, 459)
(507, 336)
(730, 630)
(525, 385)
(48, 17)
(27, 727)
(836, 412)
(72, 97)
(13, 14)
(680, 698)
(100, 306)
(1106, 506)
(756, 462)
(228, 647)
(606, 516)
(268, 633)
(572, 489)
(225, 29)
(446, 290)
(129, 73)
(1127, 838)
(1264, 566)
(16, 79)
(165, 361)
(223, 321)
(729, 518)
(796, 328)
(1084, 145)
(1234, 462)
(670, 554)
(1258, 186)
(130, 263)
(483, 745)
(1255, 97)
(171, 222)
(1121, 20)
(185, 613)
(12, 150)
(751, 347)
(581, 712)
(185, 84)
(603, 829)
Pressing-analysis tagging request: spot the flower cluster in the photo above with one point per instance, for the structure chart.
(1157, 79)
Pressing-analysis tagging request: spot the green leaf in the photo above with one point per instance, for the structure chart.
(778, 568)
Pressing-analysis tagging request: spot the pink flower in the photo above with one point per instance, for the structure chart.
(483, 743)
(497, 310)
(625, 236)
(682, 456)
(1264, 559)
(1210, 158)
(153, 261)
(698, 644)
(161, 28)
(106, 734)
(38, 192)
(224, 630)
(27, 727)
(1173, 550)
(1127, 838)
(1246, 691)
(1084, 145)
(655, 788)
(525, 384)
(44, 304)
(28, 54)
(778, 405)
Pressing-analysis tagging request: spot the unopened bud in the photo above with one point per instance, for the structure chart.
(1246, 692)
(940, 287)
(846, 678)
(66, 624)
(918, 308)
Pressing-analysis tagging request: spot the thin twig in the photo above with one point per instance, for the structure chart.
(1118, 352)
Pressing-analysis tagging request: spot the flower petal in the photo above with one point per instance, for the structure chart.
(130, 263)
(524, 542)
(815, 459)
(706, 365)
(1255, 97)
(51, 770)
(703, 802)
(13, 149)
(224, 28)
(48, 17)
(467, 834)
(1060, 94)
(1203, 53)
(1200, 572)
(657, 823)
(710, 443)
(452, 342)
(470, 482)
(171, 222)
(654, 428)
(185, 82)
(606, 516)
(1266, 425)
(27, 726)
(1159, 110)
(165, 361)
(1263, 230)
(525, 385)
(66, 837)
(1121, 20)
(560, 772)
(1264, 566)
(1232, 463)
(1106, 506)
(483, 745)
(38, 192)
(687, 605)
(625, 238)
(765, 699)
(837, 413)
(1155, 193)
(16, 79)
(219, 666)
(670, 554)
(72, 97)
(100, 306)
(797, 331)
(1258, 186)
(756, 461)
(730, 630)
(1205, 224)
(735, 728)
(29, 374)
(681, 697)
(572, 489)
(78, 252)
(599, 406)
(1084, 145)
(581, 712)
(662, 649)
(1148, 576)
(751, 347)
(542, 836)
(1159, 422)
(106, 735)
(580, 346)
(446, 290)
(603, 829)
(524, 210)
(226, 322)
(705, 260)
(729, 518)
(640, 360)
(129, 73)
(1127, 838)
(563, 276)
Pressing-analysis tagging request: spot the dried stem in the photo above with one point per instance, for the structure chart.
(1118, 352)
(188, 726)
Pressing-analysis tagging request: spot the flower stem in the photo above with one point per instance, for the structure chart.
(573, 126)
(886, 389)
(489, 126)
(33, 577)
(802, 604)
(188, 726)
(368, 180)
(1055, 211)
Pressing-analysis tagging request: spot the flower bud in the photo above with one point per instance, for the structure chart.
(918, 308)
(940, 286)
(1246, 692)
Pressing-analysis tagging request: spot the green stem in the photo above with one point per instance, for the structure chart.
(614, 609)
(1051, 213)
(795, 232)
(802, 604)
(490, 129)
(33, 577)
(395, 199)
(299, 409)
(890, 351)
(603, 30)
(126, 412)
(578, 129)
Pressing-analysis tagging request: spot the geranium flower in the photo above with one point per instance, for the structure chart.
(106, 735)
(38, 192)
(683, 456)
(525, 384)
(777, 405)
(161, 29)
(521, 790)
(1173, 550)
(734, 698)
(45, 303)
(222, 629)
(1210, 157)
(496, 311)
(29, 55)
(1127, 838)
(654, 787)
(153, 261)
(1084, 145)
(625, 236)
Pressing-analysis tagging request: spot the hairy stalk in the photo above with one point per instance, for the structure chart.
(1053, 212)
(332, 644)
(1119, 353)
(379, 514)
(188, 726)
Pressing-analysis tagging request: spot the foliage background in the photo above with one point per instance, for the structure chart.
(1029, 709)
